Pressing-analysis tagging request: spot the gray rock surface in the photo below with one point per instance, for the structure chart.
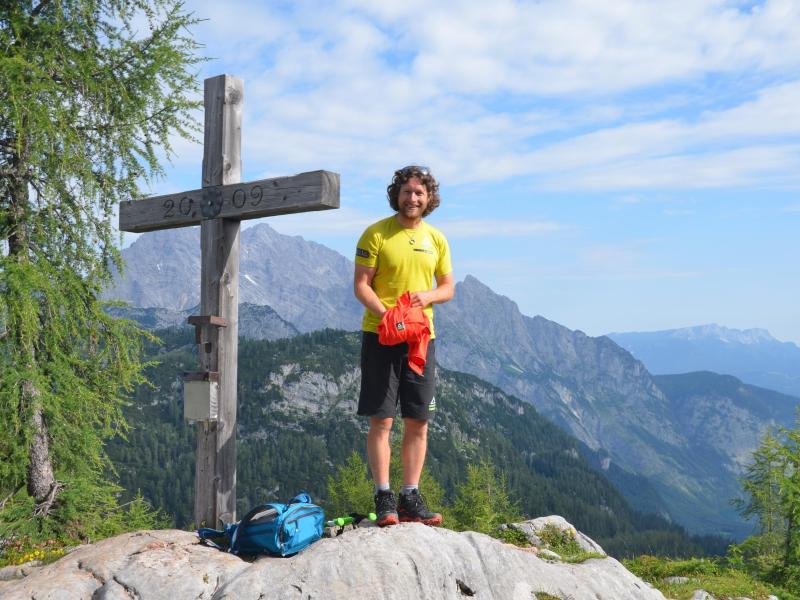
(533, 528)
(406, 561)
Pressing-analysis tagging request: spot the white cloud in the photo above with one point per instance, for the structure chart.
(742, 145)
(586, 46)
(343, 221)
(479, 228)
(469, 89)
(771, 166)
(626, 201)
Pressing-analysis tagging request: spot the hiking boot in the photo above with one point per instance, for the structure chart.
(412, 508)
(386, 508)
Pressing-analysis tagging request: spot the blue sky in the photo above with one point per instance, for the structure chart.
(612, 166)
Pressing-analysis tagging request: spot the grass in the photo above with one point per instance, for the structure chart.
(23, 550)
(559, 541)
(711, 575)
(563, 543)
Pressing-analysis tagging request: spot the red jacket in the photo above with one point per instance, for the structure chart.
(404, 323)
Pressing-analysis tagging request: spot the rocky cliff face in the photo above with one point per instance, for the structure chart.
(405, 561)
(573, 379)
(305, 283)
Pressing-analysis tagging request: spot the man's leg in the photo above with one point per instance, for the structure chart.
(379, 454)
(411, 506)
(418, 404)
(415, 446)
(377, 400)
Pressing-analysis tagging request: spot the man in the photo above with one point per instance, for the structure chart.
(400, 254)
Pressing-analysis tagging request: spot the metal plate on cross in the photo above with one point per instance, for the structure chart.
(211, 203)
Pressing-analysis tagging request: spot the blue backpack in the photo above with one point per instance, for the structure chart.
(271, 528)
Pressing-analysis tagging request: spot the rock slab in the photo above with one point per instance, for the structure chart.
(406, 561)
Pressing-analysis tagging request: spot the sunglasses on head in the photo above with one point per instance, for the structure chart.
(424, 171)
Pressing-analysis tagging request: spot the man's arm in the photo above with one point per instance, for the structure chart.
(362, 288)
(444, 290)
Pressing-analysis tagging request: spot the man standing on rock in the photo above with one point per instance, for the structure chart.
(400, 254)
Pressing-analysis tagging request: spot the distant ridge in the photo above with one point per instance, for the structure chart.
(752, 355)
(712, 331)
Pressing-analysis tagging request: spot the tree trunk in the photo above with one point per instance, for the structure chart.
(40, 467)
(41, 483)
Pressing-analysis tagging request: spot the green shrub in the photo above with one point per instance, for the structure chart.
(45, 540)
(714, 576)
(482, 502)
(350, 490)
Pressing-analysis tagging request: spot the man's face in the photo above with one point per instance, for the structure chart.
(413, 199)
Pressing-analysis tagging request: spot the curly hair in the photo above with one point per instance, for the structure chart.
(401, 176)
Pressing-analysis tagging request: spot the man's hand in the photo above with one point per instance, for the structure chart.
(441, 293)
(421, 299)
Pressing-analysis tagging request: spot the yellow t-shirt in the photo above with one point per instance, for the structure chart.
(405, 260)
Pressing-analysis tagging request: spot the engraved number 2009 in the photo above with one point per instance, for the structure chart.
(240, 198)
(184, 206)
(169, 207)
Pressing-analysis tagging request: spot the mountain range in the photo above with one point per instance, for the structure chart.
(162, 269)
(674, 446)
(752, 355)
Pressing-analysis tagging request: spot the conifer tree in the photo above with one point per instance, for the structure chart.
(762, 484)
(482, 502)
(772, 484)
(92, 91)
(350, 490)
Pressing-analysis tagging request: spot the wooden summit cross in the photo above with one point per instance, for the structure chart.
(218, 208)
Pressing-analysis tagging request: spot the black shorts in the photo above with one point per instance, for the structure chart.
(387, 380)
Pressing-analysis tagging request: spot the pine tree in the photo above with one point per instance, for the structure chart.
(91, 93)
(772, 484)
(790, 503)
(482, 502)
(350, 490)
(762, 483)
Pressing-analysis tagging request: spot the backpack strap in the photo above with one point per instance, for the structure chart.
(302, 497)
(206, 534)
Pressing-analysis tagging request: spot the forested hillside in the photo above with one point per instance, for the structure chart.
(297, 423)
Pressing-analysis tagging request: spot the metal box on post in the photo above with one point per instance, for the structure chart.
(201, 396)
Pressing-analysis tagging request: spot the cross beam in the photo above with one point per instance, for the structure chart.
(317, 190)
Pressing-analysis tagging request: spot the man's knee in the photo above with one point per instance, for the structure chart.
(379, 426)
(416, 428)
